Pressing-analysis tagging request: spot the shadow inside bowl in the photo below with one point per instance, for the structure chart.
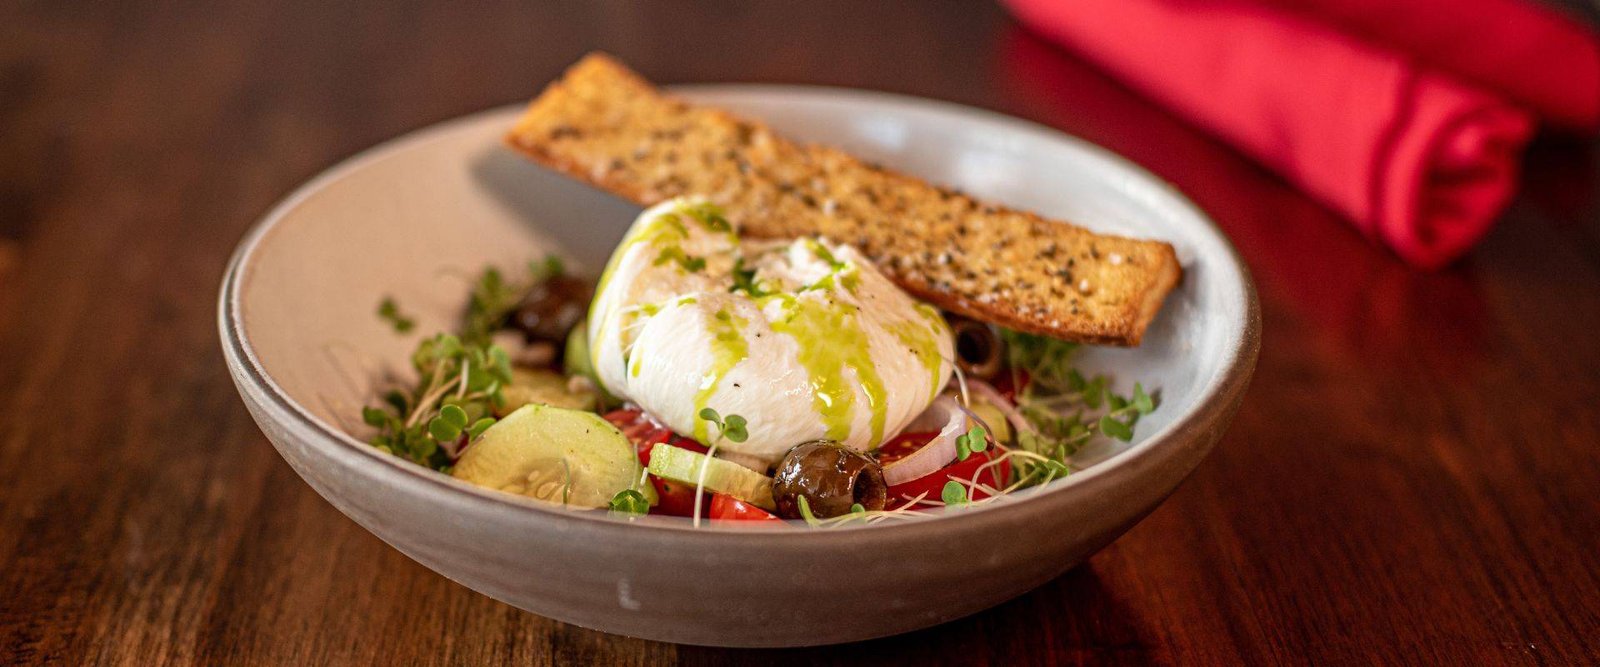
(582, 223)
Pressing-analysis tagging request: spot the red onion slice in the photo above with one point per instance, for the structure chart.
(944, 414)
(988, 394)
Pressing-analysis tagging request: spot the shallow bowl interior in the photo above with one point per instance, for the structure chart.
(417, 218)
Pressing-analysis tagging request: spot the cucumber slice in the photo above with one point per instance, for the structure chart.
(546, 388)
(681, 465)
(562, 456)
(577, 362)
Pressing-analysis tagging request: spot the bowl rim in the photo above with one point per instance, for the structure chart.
(1216, 402)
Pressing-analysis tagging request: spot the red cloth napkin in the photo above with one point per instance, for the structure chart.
(1413, 157)
(1522, 49)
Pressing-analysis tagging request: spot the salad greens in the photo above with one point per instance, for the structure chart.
(389, 312)
(459, 384)
(1023, 439)
(629, 502)
(460, 378)
(1064, 409)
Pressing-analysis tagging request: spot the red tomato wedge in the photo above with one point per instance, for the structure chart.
(645, 433)
(677, 499)
(1011, 382)
(729, 508)
(931, 485)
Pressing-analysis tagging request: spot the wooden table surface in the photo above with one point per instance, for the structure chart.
(1414, 476)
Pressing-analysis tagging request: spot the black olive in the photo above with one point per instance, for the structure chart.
(551, 309)
(830, 477)
(979, 350)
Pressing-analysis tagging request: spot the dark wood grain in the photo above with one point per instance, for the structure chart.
(1413, 478)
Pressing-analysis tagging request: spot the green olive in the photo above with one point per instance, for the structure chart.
(830, 477)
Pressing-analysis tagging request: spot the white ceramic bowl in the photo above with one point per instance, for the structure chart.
(416, 217)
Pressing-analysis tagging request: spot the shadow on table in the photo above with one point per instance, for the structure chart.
(1073, 617)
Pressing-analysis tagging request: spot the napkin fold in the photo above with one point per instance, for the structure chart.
(1413, 157)
(1521, 49)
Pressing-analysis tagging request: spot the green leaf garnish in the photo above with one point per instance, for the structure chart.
(685, 261)
(478, 427)
(805, 511)
(629, 502)
(974, 440)
(1066, 409)
(390, 312)
(460, 378)
(977, 439)
(954, 493)
(550, 268)
(744, 280)
(1115, 429)
(732, 428)
(708, 214)
(1055, 470)
(441, 431)
(1095, 392)
(1142, 401)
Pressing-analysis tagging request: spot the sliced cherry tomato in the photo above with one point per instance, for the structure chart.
(676, 498)
(646, 433)
(728, 508)
(932, 484)
(1011, 382)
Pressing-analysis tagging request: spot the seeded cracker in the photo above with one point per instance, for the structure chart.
(603, 124)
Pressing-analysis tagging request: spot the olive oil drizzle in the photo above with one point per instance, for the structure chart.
(822, 318)
(664, 232)
(830, 339)
(728, 348)
(922, 338)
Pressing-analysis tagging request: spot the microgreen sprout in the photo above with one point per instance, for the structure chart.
(1116, 429)
(954, 493)
(975, 440)
(494, 297)
(389, 312)
(805, 511)
(449, 424)
(551, 267)
(630, 503)
(708, 214)
(730, 428)
(744, 280)
(1063, 410)
(459, 378)
(858, 513)
(687, 262)
(1142, 401)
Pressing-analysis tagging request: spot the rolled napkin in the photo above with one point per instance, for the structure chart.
(1532, 54)
(1415, 159)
